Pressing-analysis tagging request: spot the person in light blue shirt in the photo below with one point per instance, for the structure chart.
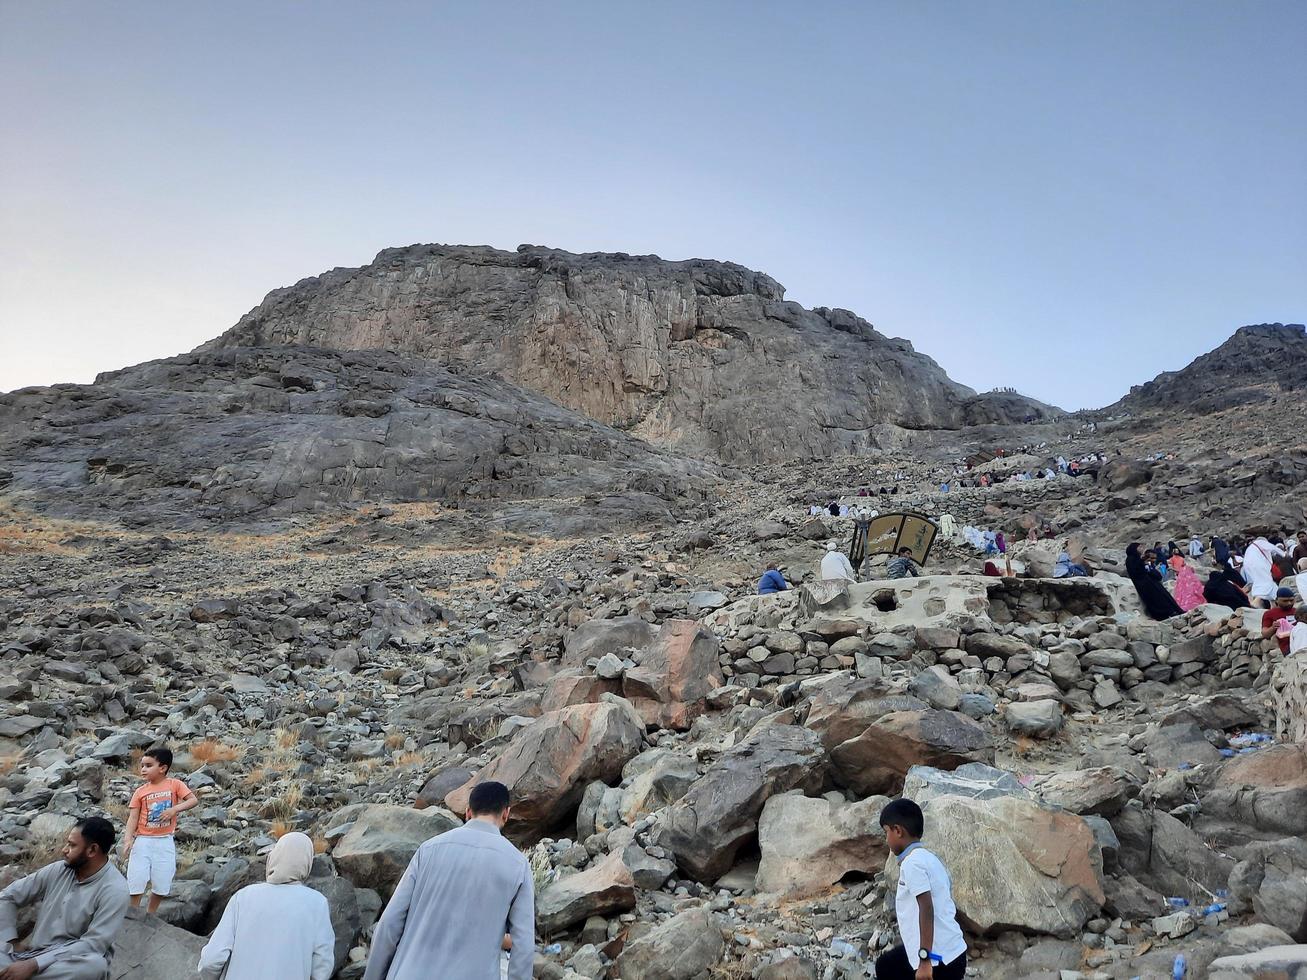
(772, 581)
(446, 918)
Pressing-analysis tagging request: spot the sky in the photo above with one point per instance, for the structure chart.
(1062, 197)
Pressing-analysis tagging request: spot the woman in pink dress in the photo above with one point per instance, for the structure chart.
(1188, 588)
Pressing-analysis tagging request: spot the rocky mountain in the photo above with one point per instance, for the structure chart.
(706, 357)
(232, 433)
(1254, 365)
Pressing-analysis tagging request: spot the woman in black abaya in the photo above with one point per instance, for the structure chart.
(1158, 603)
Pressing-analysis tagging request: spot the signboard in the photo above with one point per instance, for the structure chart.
(887, 533)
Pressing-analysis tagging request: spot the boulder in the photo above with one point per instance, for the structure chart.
(876, 760)
(378, 847)
(1179, 857)
(549, 762)
(937, 687)
(685, 947)
(147, 948)
(440, 785)
(576, 685)
(975, 781)
(718, 815)
(676, 674)
(1221, 711)
(1015, 864)
(603, 889)
(1038, 719)
(1265, 790)
(706, 601)
(343, 907)
(623, 636)
(1174, 745)
(840, 711)
(808, 844)
(1272, 963)
(1102, 791)
(984, 645)
(655, 779)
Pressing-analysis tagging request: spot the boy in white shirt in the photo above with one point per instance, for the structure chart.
(933, 947)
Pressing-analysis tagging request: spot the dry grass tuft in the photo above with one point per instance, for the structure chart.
(284, 738)
(8, 762)
(211, 750)
(283, 806)
(320, 845)
(409, 759)
(395, 740)
(279, 829)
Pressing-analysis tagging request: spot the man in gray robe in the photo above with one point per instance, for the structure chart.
(83, 902)
(447, 916)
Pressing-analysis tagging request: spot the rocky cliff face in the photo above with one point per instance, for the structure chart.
(703, 356)
(1252, 366)
(237, 432)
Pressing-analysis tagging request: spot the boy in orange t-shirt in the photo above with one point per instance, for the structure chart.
(148, 845)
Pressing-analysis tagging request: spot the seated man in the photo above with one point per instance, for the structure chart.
(772, 581)
(1279, 620)
(83, 901)
(902, 565)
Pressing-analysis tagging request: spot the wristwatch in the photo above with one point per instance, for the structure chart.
(925, 954)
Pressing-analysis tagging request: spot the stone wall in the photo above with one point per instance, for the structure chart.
(1289, 696)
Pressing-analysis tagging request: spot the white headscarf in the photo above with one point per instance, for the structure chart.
(290, 859)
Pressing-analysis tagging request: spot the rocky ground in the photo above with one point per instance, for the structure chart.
(698, 770)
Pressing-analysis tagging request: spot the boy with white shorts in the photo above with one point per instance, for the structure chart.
(151, 822)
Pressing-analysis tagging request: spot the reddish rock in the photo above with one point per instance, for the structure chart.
(669, 686)
(575, 685)
(548, 763)
(877, 760)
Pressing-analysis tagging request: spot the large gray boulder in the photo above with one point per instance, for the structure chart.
(685, 947)
(718, 815)
(1016, 864)
(378, 847)
(810, 843)
(148, 948)
(621, 635)
(1272, 963)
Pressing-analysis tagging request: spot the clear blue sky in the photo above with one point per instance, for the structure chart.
(1066, 197)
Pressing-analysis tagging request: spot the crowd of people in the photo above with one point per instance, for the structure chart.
(1267, 572)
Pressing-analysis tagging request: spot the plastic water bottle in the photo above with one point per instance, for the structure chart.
(1178, 968)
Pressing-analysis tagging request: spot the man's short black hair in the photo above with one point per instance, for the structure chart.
(160, 754)
(906, 814)
(905, 551)
(97, 831)
(490, 797)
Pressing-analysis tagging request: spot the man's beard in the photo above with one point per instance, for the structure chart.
(77, 863)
